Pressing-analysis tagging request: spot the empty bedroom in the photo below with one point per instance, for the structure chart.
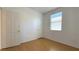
(39, 29)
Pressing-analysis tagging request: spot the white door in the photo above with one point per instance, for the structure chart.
(12, 29)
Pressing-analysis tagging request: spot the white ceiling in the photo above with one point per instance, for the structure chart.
(43, 9)
(39, 9)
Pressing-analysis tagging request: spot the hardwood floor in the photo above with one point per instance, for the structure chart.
(41, 45)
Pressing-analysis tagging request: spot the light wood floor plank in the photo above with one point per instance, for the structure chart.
(41, 45)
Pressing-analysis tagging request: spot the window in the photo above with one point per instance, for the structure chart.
(56, 21)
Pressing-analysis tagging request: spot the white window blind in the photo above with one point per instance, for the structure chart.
(56, 21)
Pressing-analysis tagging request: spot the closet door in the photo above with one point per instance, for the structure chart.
(12, 29)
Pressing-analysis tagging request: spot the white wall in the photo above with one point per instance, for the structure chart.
(0, 28)
(3, 29)
(70, 32)
(31, 25)
(27, 26)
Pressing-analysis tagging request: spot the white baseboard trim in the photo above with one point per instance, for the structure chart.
(63, 43)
